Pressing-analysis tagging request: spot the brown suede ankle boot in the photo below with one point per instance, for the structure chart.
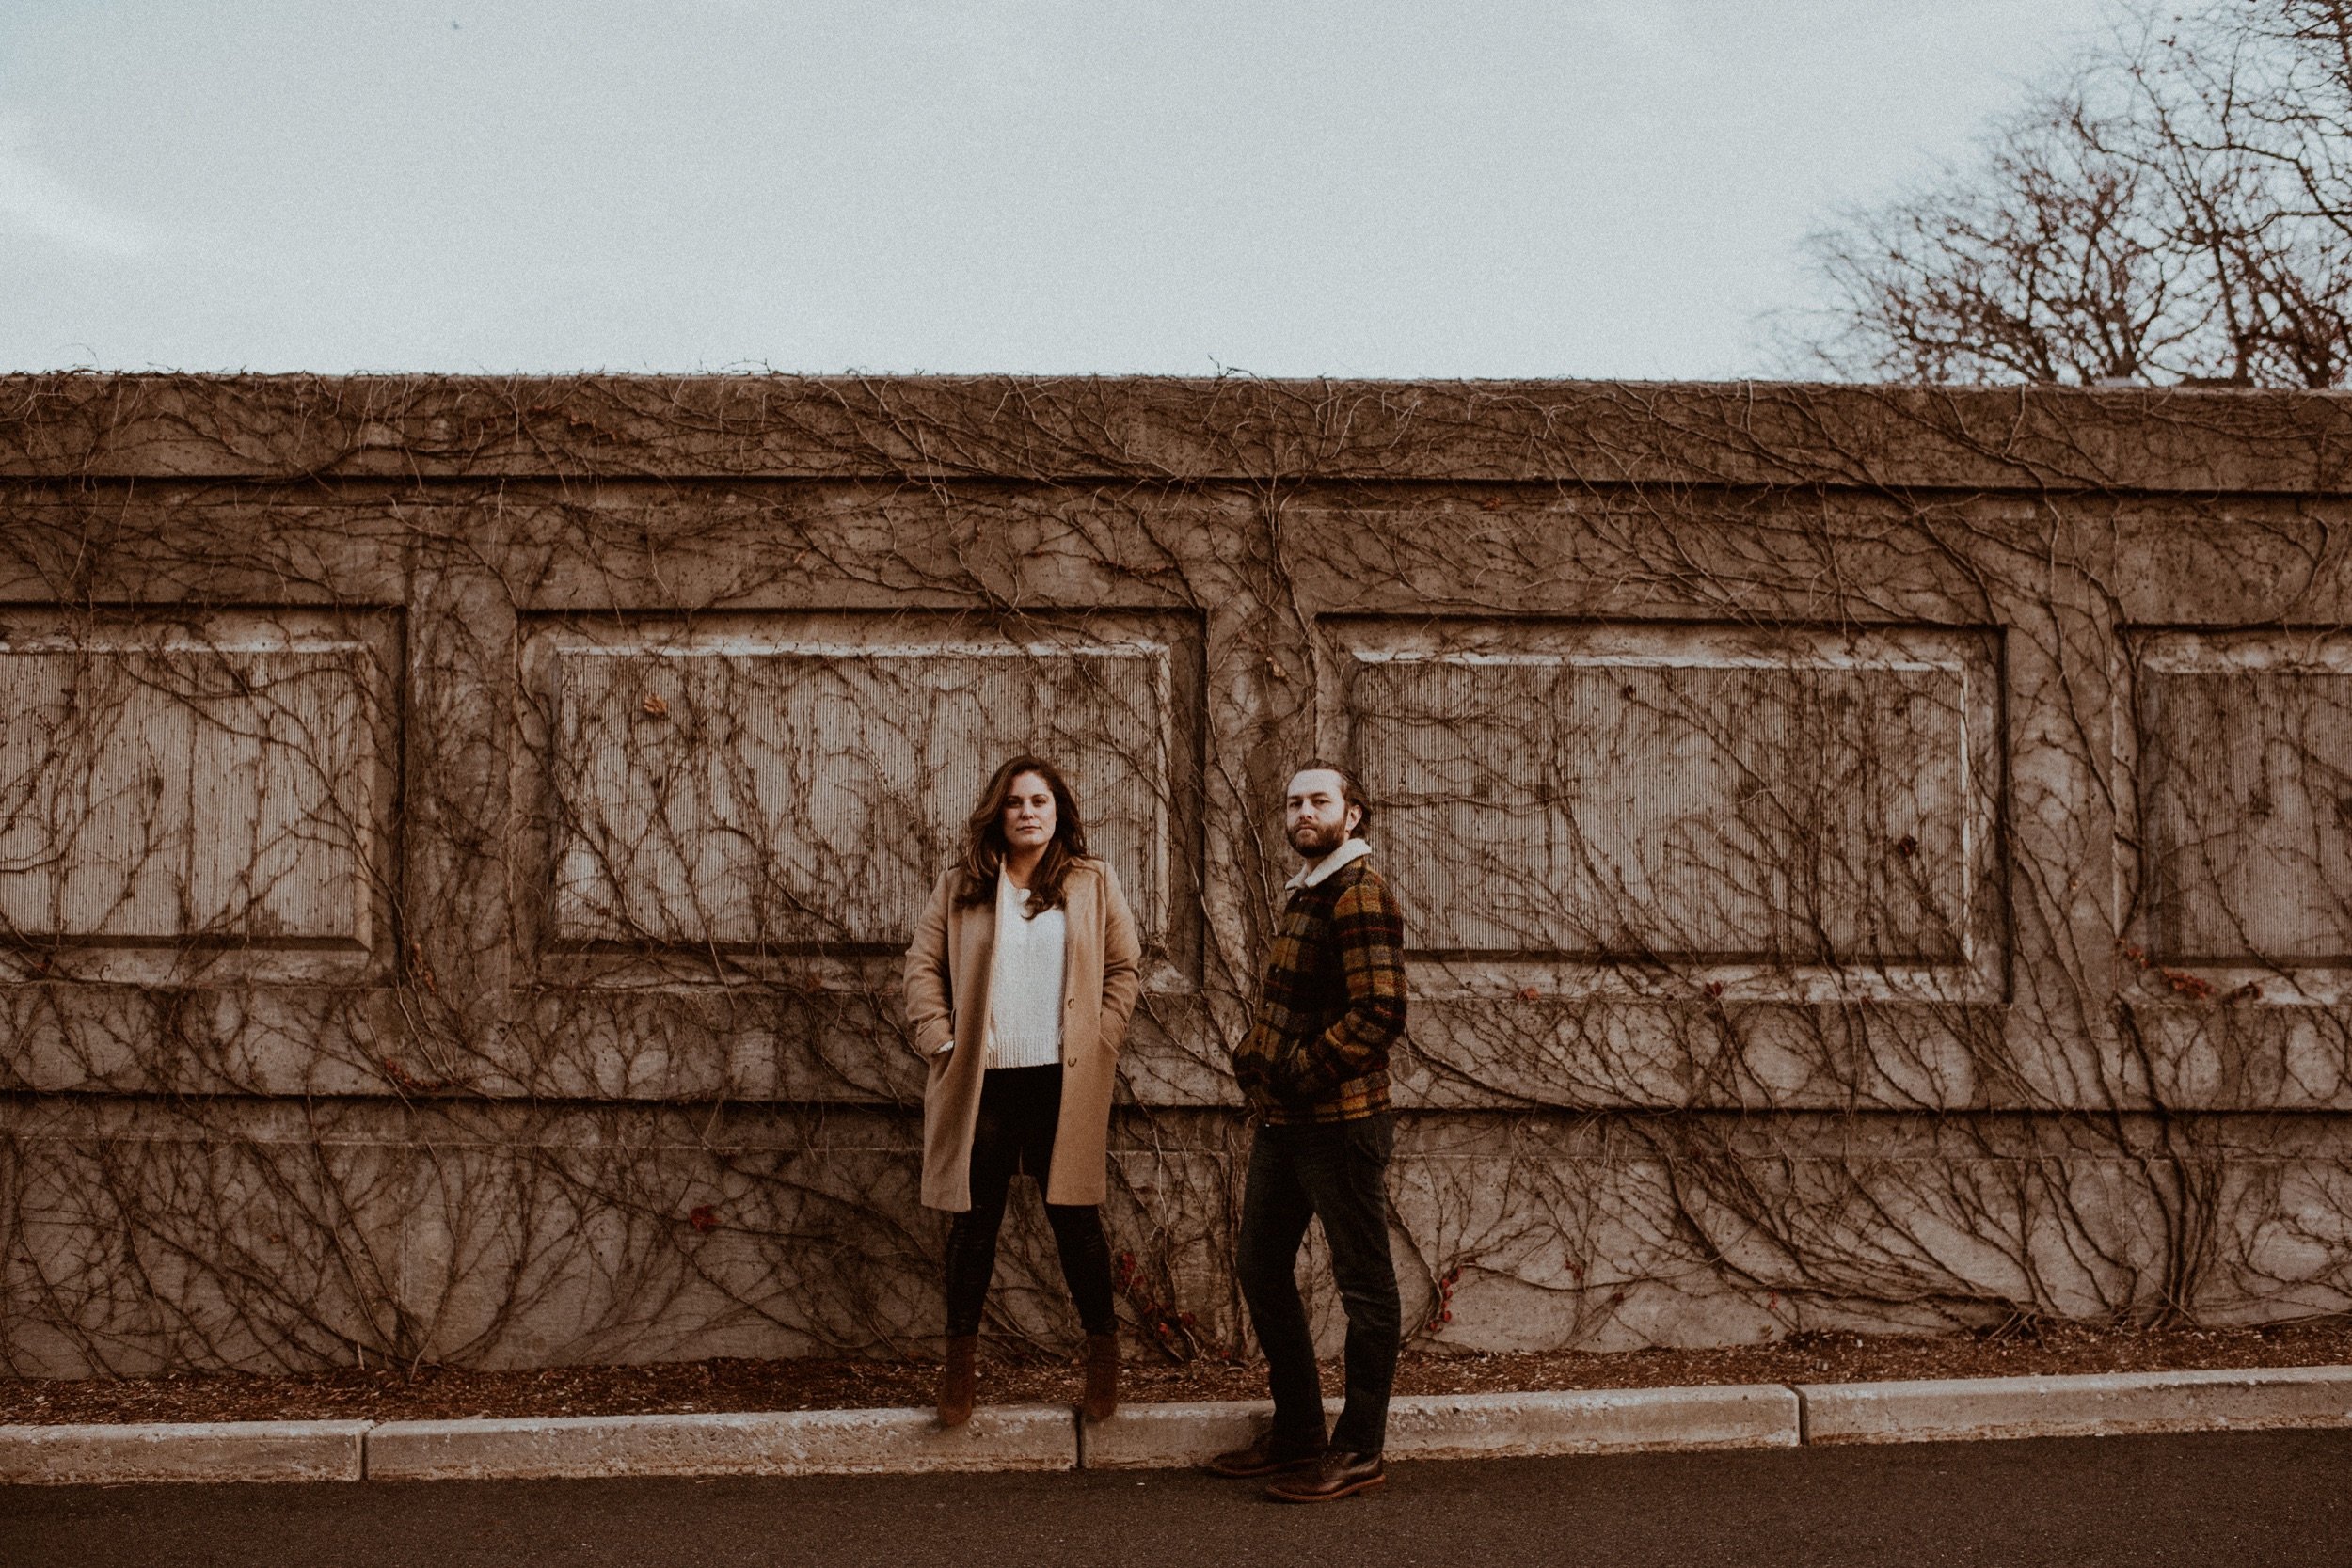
(1102, 1395)
(958, 1379)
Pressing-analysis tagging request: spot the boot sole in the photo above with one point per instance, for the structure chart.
(1279, 1495)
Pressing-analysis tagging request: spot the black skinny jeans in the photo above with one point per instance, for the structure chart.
(1335, 1172)
(1019, 1108)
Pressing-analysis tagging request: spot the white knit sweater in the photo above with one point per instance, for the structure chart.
(1024, 982)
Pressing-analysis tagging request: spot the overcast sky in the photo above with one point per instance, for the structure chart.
(1556, 187)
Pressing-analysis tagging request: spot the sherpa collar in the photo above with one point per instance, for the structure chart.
(1353, 849)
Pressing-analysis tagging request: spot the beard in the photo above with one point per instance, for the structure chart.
(1316, 839)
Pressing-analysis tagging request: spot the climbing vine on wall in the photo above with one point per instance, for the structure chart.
(1871, 858)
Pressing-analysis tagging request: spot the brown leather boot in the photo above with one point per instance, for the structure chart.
(1265, 1457)
(1102, 1395)
(958, 1379)
(1335, 1476)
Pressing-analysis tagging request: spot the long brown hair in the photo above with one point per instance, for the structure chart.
(984, 845)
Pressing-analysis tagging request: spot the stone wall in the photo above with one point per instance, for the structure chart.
(1873, 858)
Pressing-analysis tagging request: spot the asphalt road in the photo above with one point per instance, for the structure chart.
(2232, 1498)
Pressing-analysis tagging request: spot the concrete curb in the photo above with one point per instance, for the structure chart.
(779, 1442)
(1594, 1420)
(1143, 1436)
(213, 1451)
(1472, 1426)
(1168, 1437)
(2091, 1406)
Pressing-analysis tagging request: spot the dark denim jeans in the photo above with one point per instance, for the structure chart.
(1335, 1172)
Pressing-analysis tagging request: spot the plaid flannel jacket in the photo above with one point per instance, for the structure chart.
(1332, 1005)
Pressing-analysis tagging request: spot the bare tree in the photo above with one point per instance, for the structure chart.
(2177, 209)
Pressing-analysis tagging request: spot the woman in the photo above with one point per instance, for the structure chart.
(1022, 974)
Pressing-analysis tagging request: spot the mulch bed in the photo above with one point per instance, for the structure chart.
(431, 1393)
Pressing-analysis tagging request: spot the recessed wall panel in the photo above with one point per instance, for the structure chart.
(791, 782)
(201, 784)
(2246, 796)
(1683, 794)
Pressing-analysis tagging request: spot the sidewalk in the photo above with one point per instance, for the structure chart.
(1166, 1435)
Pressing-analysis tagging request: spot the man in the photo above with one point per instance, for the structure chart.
(1314, 1070)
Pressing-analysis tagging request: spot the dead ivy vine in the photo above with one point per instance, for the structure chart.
(1875, 859)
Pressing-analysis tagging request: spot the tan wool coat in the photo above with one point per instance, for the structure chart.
(946, 996)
